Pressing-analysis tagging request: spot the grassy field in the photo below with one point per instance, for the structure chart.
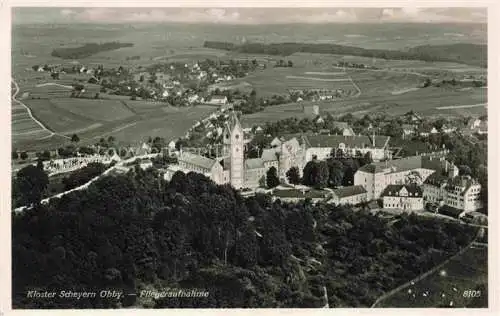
(99, 110)
(272, 81)
(400, 65)
(425, 101)
(466, 272)
(32, 45)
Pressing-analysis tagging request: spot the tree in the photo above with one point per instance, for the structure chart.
(15, 155)
(427, 82)
(335, 172)
(464, 170)
(24, 155)
(293, 175)
(31, 182)
(322, 175)
(290, 63)
(272, 180)
(75, 138)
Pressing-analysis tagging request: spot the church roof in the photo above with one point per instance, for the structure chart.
(349, 191)
(436, 179)
(356, 141)
(255, 163)
(232, 121)
(197, 160)
(269, 154)
(404, 164)
(394, 189)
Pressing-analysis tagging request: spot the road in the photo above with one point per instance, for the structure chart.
(451, 107)
(385, 70)
(52, 133)
(85, 186)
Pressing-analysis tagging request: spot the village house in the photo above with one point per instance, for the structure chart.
(405, 197)
(344, 127)
(447, 129)
(476, 125)
(218, 100)
(426, 131)
(311, 110)
(408, 131)
(352, 195)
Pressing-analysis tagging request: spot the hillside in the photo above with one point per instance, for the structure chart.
(132, 232)
(465, 53)
(461, 53)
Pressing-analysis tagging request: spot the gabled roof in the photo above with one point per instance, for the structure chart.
(232, 122)
(197, 160)
(269, 154)
(290, 144)
(394, 189)
(255, 163)
(219, 97)
(436, 179)
(356, 141)
(340, 125)
(349, 191)
(462, 182)
(404, 164)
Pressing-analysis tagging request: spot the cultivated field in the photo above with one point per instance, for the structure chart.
(465, 273)
(427, 101)
(393, 91)
(279, 81)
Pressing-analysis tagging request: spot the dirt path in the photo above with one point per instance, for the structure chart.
(451, 107)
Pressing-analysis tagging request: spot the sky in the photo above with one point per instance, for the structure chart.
(248, 15)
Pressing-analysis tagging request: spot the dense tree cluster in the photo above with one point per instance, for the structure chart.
(136, 231)
(460, 53)
(87, 50)
(83, 175)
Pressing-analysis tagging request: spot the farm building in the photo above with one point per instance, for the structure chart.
(218, 99)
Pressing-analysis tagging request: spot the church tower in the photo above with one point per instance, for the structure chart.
(233, 141)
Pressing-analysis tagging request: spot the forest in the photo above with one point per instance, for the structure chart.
(460, 53)
(135, 231)
(87, 50)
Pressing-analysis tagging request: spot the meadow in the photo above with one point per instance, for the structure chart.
(467, 272)
(425, 101)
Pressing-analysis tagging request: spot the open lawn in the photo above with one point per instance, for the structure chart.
(170, 126)
(383, 83)
(99, 110)
(58, 118)
(468, 272)
(278, 81)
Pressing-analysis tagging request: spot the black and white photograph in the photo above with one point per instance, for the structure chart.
(248, 157)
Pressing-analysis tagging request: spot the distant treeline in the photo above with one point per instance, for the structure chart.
(87, 50)
(460, 53)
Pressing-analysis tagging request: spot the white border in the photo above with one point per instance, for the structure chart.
(493, 112)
